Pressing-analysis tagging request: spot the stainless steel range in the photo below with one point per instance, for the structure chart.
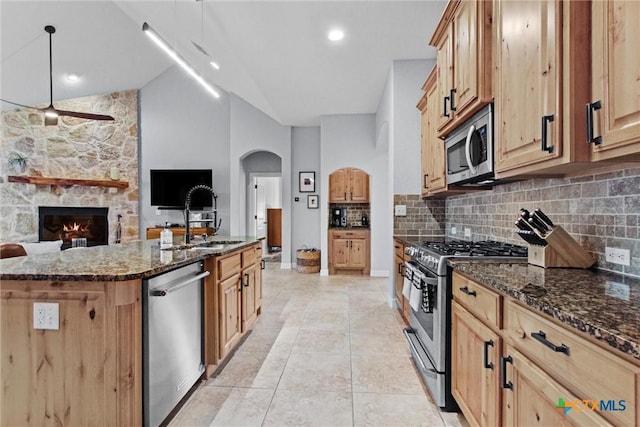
(427, 285)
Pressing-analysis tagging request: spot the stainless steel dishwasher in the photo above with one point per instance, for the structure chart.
(172, 339)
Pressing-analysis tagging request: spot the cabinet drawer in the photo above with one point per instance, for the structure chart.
(228, 266)
(582, 366)
(249, 257)
(480, 301)
(351, 234)
(399, 248)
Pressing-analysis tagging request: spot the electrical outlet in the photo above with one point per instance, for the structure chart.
(467, 232)
(618, 256)
(617, 290)
(454, 230)
(158, 212)
(46, 315)
(401, 210)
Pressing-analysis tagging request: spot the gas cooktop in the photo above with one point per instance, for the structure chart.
(482, 248)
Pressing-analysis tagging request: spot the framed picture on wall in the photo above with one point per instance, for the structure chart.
(312, 201)
(307, 182)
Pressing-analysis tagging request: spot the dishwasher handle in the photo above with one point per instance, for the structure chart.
(179, 285)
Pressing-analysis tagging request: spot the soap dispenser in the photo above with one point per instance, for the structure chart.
(166, 237)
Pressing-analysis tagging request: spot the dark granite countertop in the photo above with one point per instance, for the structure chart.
(127, 261)
(604, 305)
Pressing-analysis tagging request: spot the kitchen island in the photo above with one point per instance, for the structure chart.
(88, 371)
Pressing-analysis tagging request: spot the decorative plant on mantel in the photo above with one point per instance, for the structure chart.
(17, 163)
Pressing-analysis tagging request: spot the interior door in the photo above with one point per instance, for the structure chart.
(259, 213)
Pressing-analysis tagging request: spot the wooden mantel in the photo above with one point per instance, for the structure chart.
(67, 182)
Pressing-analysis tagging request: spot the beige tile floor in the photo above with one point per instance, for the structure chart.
(327, 351)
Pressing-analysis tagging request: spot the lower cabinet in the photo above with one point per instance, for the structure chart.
(349, 251)
(476, 380)
(531, 397)
(229, 310)
(403, 303)
(543, 367)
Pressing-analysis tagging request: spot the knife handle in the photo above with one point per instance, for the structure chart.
(541, 215)
(538, 225)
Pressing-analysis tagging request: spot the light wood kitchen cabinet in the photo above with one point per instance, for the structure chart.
(401, 301)
(229, 310)
(476, 345)
(87, 372)
(349, 252)
(541, 86)
(251, 292)
(531, 397)
(464, 57)
(475, 376)
(541, 362)
(349, 185)
(614, 110)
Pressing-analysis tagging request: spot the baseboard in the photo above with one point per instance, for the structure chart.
(379, 273)
(324, 272)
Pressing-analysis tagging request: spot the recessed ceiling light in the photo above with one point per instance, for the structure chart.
(336, 35)
(72, 77)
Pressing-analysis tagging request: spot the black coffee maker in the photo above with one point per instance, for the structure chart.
(339, 217)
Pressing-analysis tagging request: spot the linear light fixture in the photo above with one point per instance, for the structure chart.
(153, 35)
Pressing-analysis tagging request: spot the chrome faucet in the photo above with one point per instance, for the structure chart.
(187, 205)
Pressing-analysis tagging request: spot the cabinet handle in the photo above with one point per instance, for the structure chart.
(444, 111)
(426, 180)
(487, 364)
(452, 92)
(465, 290)
(503, 372)
(240, 281)
(590, 108)
(401, 268)
(345, 195)
(263, 264)
(246, 285)
(350, 243)
(542, 337)
(545, 121)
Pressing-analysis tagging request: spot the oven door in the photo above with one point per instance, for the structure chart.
(428, 322)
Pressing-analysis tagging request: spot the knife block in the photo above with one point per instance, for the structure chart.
(561, 251)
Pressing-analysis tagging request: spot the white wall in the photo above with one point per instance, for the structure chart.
(305, 223)
(182, 127)
(251, 130)
(349, 140)
(408, 77)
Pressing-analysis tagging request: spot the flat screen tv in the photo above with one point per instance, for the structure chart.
(169, 188)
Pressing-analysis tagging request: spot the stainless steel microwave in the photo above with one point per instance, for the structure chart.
(469, 150)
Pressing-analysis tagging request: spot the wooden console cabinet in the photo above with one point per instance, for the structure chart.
(154, 232)
(349, 252)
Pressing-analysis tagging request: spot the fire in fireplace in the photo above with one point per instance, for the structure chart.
(65, 223)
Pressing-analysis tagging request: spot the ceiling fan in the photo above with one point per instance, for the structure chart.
(51, 113)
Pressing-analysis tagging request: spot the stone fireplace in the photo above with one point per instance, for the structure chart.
(65, 223)
(74, 150)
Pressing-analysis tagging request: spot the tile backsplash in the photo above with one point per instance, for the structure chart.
(424, 217)
(601, 210)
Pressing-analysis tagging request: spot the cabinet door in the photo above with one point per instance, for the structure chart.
(425, 154)
(340, 250)
(358, 253)
(338, 186)
(465, 55)
(248, 296)
(437, 164)
(359, 183)
(528, 81)
(258, 291)
(533, 397)
(229, 300)
(615, 63)
(475, 380)
(399, 280)
(444, 66)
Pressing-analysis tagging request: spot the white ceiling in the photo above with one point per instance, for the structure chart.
(274, 54)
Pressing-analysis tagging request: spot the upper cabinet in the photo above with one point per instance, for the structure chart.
(541, 86)
(464, 58)
(434, 175)
(349, 185)
(613, 114)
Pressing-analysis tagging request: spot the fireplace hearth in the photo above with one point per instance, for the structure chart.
(65, 223)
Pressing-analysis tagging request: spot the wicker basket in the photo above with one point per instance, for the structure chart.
(307, 261)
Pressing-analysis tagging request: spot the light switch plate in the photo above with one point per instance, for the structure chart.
(46, 315)
(401, 210)
(467, 232)
(454, 230)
